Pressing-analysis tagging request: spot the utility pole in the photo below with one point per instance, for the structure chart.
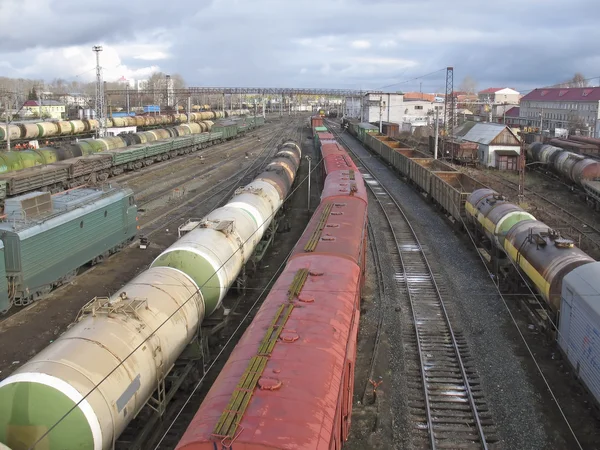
(99, 93)
(437, 126)
(127, 96)
(309, 159)
(223, 105)
(7, 122)
(522, 173)
(189, 108)
(380, 114)
(541, 121)
(264, 106)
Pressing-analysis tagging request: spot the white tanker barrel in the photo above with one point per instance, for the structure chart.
(85, 388)
(46, 388)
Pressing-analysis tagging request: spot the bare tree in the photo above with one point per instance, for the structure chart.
(578, 80)
(468, 85)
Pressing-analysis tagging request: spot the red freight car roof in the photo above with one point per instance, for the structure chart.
(299, 383)
(344, 182)
(325, 135)
(337, 227)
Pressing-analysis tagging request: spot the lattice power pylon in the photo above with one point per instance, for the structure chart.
(449, 102)
(99, 93)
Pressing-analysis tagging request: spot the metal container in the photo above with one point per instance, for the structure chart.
(451, 190)
(193, 127)
(400, 159)
(10, 161)
(494, 215)
(579, 325)
(76, 363)
(208, 123)
(14, 131)
(544, 257)
(65, 128)
(119, 122)
(38, 177)
(29, 130)
(77, 126)
(160, 134)
(30, 158)
(47, 129)
(420, 170)
(547, 152)
(586, 169)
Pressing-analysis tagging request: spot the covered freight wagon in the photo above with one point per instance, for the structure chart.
(46, 239)
(579, 336)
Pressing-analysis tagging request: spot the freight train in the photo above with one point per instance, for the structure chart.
(44, 240)
(66, 128)
(96, 160)
(564, 277)
(289, 381)
(571, 167)
(83, 389)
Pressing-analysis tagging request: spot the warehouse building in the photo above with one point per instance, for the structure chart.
(576, 109)
(394, 108)
(44, 108)
(499, 146)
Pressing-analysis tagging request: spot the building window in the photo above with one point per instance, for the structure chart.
(418, 107)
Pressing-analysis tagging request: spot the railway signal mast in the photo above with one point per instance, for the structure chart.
(99, 94)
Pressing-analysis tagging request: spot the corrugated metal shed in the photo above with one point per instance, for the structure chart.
(484, 133)
(579, 327)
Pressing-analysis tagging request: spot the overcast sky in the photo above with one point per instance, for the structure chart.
(361, 44)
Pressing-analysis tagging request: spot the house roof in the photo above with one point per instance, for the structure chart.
(588, 94)
(44, 103)
(513, 112)
(481, 132)
(494, 90)
(419, 96)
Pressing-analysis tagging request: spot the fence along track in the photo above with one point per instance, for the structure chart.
(446, 402)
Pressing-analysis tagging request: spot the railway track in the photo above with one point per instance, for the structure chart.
(223, 188)
(211, 157)
(446, 399)
(446, 404)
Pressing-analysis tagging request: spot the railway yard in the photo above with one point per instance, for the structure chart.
(332, 294)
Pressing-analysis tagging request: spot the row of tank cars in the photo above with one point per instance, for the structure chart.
(90, 161)
(574, 168)
(566, 279)
(68, 128)
(289, 381)
(86, 387)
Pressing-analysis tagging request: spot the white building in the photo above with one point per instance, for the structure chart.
(571, 108)
(496, 101)
(140, 85)
(76, 99)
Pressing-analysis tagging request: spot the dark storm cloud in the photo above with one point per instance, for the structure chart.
(309, 43)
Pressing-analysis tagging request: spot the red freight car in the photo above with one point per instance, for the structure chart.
(462, 151)
(288, 383)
